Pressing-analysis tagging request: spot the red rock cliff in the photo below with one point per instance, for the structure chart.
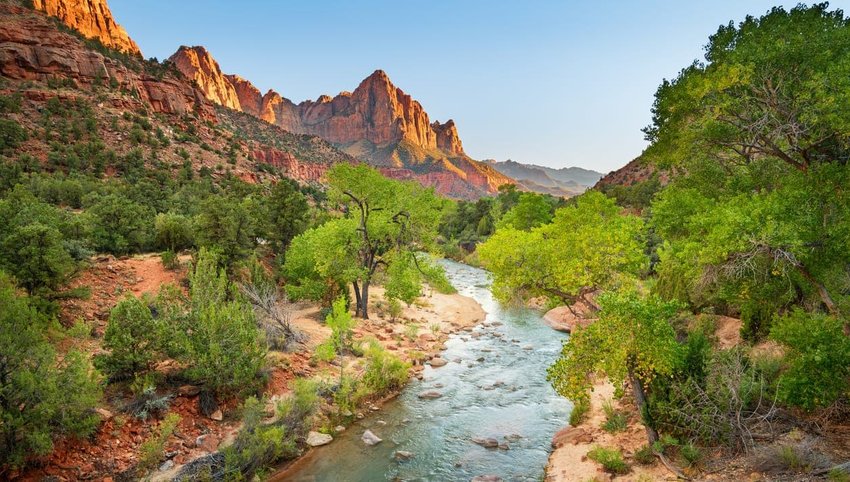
(197, 64)
(93, 19)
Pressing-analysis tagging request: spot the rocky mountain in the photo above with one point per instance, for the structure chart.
(93, 19)
(43, 65)
(377, 122)
(638, 170)
(566, 181)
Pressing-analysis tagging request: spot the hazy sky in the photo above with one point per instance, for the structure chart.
(558, 83)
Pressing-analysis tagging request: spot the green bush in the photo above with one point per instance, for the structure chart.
(384, 371)
(11, 135)
(39, 398)
(818, 359)
(169, 259)
(691, 454)
(121, 226)
(579, 412)
(645, 455)
(152, 451)
(611, 459)
(172, 231)
(132, 338)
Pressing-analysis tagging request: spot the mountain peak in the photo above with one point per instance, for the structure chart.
(198, 64)
(93, 19)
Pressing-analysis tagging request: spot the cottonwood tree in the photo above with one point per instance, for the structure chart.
(382, 220)
(588, 246)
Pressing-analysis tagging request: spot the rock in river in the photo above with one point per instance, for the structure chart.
(370, 439)
(438, 362)
(403, 455)
(486, 478)
(487, 443)
(315, 439)
(430, 394)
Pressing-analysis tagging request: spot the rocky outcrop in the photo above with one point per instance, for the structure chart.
(31, 48)
(197, 64)
(378, 123)
(290, 166)
(93, 19)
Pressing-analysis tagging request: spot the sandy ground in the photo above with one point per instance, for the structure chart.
(569, 463)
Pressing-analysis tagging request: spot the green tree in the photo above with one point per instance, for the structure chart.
(36, 256)
(133, 338)
(588, 246)
(632, 340)
(227, 225)
(226, 350)
(531, 211)
(287, 213)
(818, 359)
(120, 225)
(40, 398)
(173, 231)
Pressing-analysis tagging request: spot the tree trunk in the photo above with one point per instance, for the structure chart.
(356, 297)
(640, 400)
(364, 300)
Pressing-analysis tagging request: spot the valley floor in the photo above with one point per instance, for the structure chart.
(416, 336)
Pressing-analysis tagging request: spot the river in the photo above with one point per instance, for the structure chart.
(493, 387)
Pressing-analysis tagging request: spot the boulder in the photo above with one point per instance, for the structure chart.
(430, 395)
(217, 416)
(316, 439)
(486, 478)
(403, 455)
(370, 438)
(438, 362)
(487, 443)
(573, 435)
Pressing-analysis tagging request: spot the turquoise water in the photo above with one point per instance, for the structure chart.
(504, 396)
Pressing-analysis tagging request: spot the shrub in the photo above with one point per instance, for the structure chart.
(691, 454)
(170, 260)
(611, 459)
(152, 451)
(39, 398)
(172, 231)
(645, 455)
(341, 323)
(614, 421)
(384, 371)
(296, 411)
(579, 413)
(818, 359)
(11, 135)
(132, 338)
(394, 309)
(120, 225)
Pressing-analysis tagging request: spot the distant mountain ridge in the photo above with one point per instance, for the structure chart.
(566, 181)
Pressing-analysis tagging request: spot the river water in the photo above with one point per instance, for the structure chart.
(493, 387)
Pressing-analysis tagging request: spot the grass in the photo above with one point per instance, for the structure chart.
(579, 413)
(614, 421)
(610, 459)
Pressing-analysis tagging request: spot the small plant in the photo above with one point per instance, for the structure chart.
(384, 372)
(435, 328)
(411, 331)
(80, 331)
(169, 259)
(838, 475)
(664, 443)
(611, 459)
(394, 309)
(691, 454)
(146, 401)
(615, 421)
(645, 455)
(793, 459)
(153, 450)
(579, 413)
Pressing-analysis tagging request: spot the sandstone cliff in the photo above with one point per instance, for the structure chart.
(93, 19)
(377, 122)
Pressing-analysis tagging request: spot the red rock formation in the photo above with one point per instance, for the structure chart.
(448, 140)
(31, 48)
(248, 96)
(197, 64)
(290, 166)
(93, 19)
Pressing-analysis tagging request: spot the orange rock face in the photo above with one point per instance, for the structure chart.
(93, 19)
(197, 64)
(377, 122)
(31, 48)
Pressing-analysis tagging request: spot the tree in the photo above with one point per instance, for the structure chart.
(226, 350)
(37, 258)
(587, 247)
(120, 225)
(632, 340)
(531, 211)
(173, 231)
(227, 225)
(40, 398)
(287, 213)
(133, 338)
(391, 218)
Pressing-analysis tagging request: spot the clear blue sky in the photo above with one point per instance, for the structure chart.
(558, 83)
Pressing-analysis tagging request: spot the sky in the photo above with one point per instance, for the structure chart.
(555, 83)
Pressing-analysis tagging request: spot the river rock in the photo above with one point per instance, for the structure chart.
(487, 443)
(486, 478)
(504, 446)
(430, 395)
(316, 439)
(370, 438)
(339, 428)
(403, 455)
(573, 435)
(438, 362)
(217, 416)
